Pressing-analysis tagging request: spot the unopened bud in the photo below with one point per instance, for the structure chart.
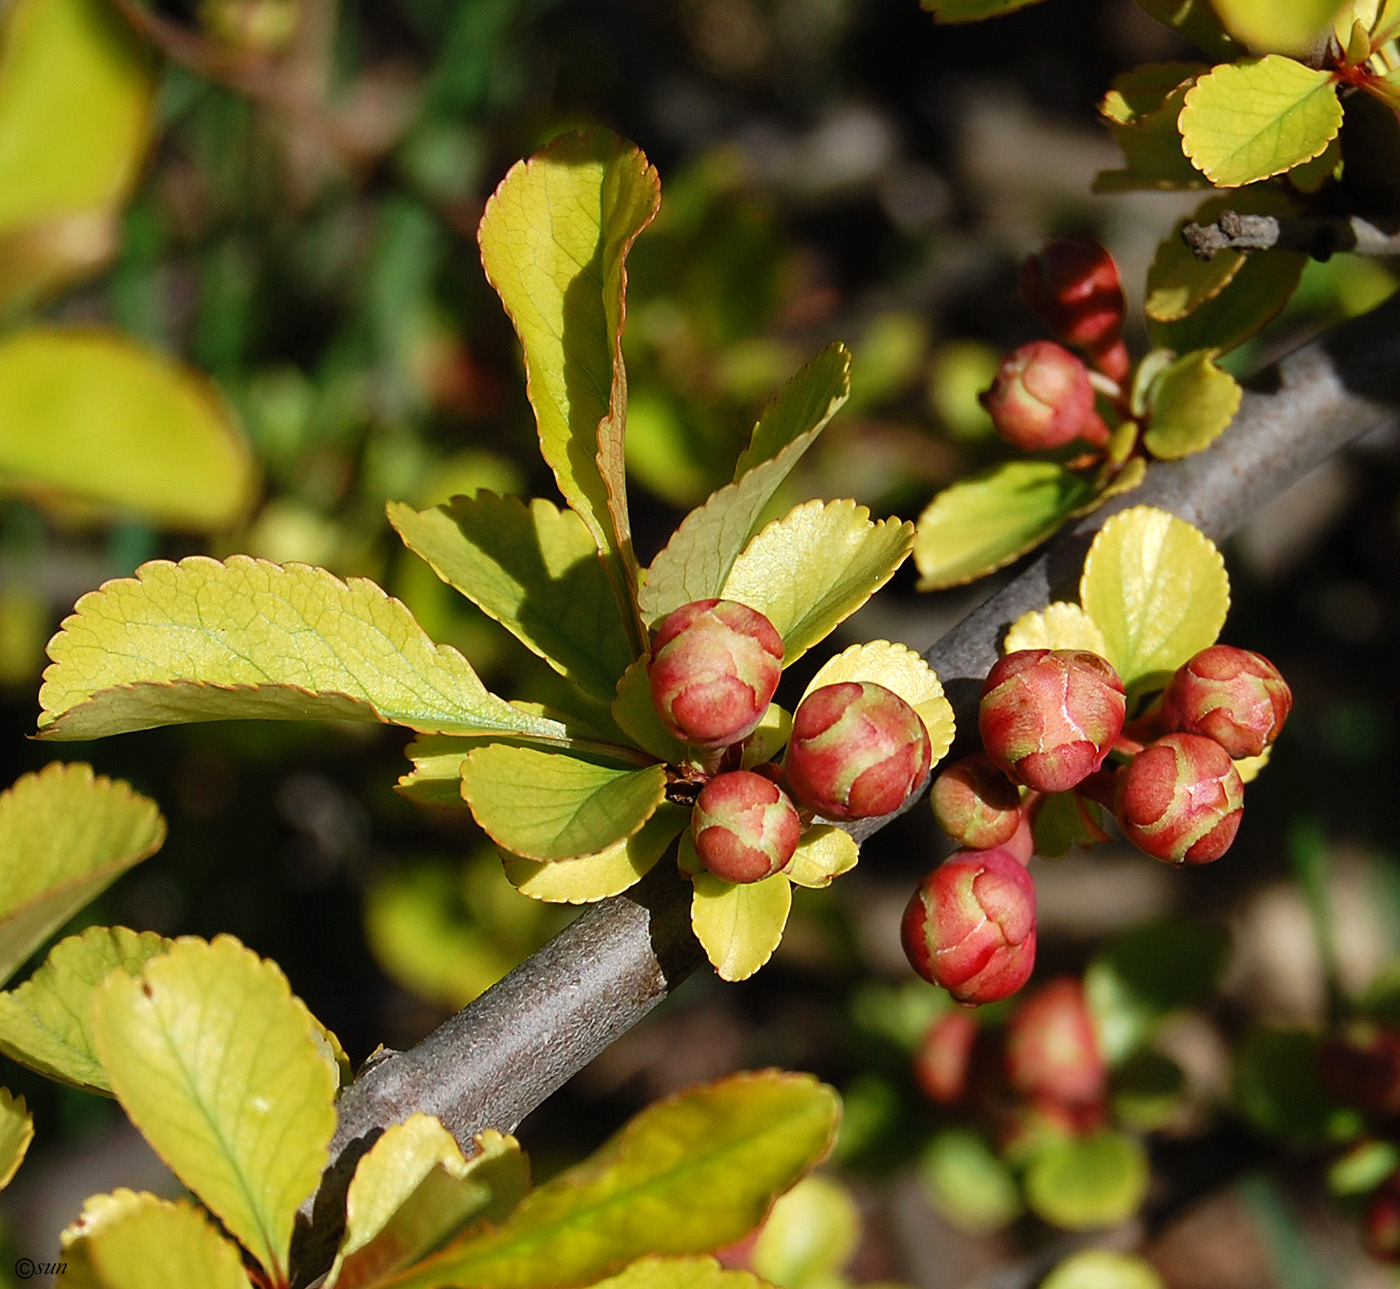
(1360, 1067)
(1380, 1224)
(1042, 399)
(975, 803)
(1234, 696)
(1180, 799)
(744, 827)
(1073, 287)
(1052, 1051)
(944, 1057)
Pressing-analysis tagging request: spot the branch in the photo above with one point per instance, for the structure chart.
(1319, 236)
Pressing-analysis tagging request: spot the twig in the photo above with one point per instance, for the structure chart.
(1321, 237)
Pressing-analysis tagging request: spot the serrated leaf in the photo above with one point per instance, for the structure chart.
(1278, 26)
(1083, 1182)
(554, 243)
(812, 569)
(1157, 588)
(739, 1143)
(202, 640)
(16, 1132)
(535, 569)
(1141, 111)
(1245, 121)
(701, 552)
(739, 926)
(217, 1064)
(436, 777)
(610, 872)
(46, 1023)
(972, 10)
(65, 836)
(1190, 405)
(1061, 625)
(636, 716)
(681, 1273)
(1103, 1269)
(822, 855)
(96, 416)
(554, 805)
(982, 524)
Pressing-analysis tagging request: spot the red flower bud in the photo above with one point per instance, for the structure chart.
(1360, 1067)
(1052, 1051)
(1048, 718)
(1073, 287)
(1380, 1225)
(714, 667)
(1231, 695)
(970, 926)
(1042, 399)
(975, 803)
(1180, 799)
(744, 827)
(857, 750)
(944, 1057)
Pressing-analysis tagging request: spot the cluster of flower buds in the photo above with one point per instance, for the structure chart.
(1042, 398)
(1073, 287)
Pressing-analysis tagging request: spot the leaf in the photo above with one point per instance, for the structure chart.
(738, 1143)
(16, 1132)
(1063, 820)
(200, 640)
(1246, 121)
(1197, 21)
(436, 777)
(96, 416)
(982, 524)
(65, 836)
(554, 243)
(1158, 590)
(1190, 405)
(555, 805)
(823, 854)
(681, 1273)
(46, 1023)
(1083, 1182)
(1103, 1269)
(535, 570)
(218, 1066)
(812, 569)
(701, 552)
(1141, 111)
(739, 926)
(972, 10)
(636, 716)
(1279, 1089)
(1278, 26)
(1061, 625)
(611, 871)
(968, 1183)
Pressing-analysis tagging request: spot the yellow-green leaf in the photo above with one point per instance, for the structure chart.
(681, 1273)
(46, 1023)
(823, 854)
(1246, 121)
(202, 640)
(739, 925)
(1190, 404)
(1104, 1269)
(94, 415)
(1141, 112)
(553, 805)
(1157, 588)
(1082, 1182)
(1061, 625)
(802, 407)
(1279, 26)
(16, 1132)
(218, 1065)
(812, 569)
(65, 836)
(436, 777)
(636, 716)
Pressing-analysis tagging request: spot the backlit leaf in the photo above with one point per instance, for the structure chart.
(1082, 1182)
(1190, 405)
(1278, 26)
(823, 854)
(65, 836)
(681, 1273)
(739, 925)
(1141, 111)
(1061, 625)
(16, 1132)
(202, 640)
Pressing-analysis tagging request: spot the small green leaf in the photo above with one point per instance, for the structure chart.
(46, 1023)
(1083, 1182)
(984, 523)
(1061, 625)
(1103, 1269)
(968, 1182)
(636, 716)
(1189, 406)
(218, 1065)
(554, 805)
(1063, 820)
(739, 926)
(1245, 121)
(1279, 1090)
(436, 777)
(823, 854)
(680, 1273)
(1141, 111)
(1361, 1169)
(1279, 26)
(812, 569)
(535, 569)
(200, 641)
(972, 10)
(1157, 588)
(16, 1132)
(809, 1236)
(65, 836)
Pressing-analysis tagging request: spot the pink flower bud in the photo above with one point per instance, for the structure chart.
(714, 667)
(744, 827)
(857, 750)
(1380, 1224)
(970, 926)
(1049, 717)
(1360, 1067)
(1180, 799)
(1231, 695)
(1073, 287)
(975, 803)
(944, 1057)
(1052, 1051)
(1042, 398)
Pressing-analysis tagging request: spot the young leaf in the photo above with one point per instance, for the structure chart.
(823, 854)
(1278, 26)
(554, 243)
(1246, 121)
(109, 421)
(202, 640)
(535, 570)
(680, 1273)
(16, 1132)
(1141, 112)
(217, 1064)
(554, 805)
(65, 836)
(46, 1023)
(1157, 589)
(739, 926)
(436, 777)
(1082, 1182)
(1061, 625)
(687, 1175)
(1190, 405)
(812, 569)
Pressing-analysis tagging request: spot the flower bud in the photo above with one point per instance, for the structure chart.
(1073, 287)
(944, 1057)
(975, 803)
(1042, 398)
(714, 667)
(1049, 717)
(744, 827)
(1380, 1224)
(857, 750)
(970, 926)
(1052, 1051)
(1360, 1067)
(1234, 696)
(1180, 799)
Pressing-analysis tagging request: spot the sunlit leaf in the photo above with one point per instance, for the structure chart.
(739, 925)
(436, 777)
(680, 1273)
(636, 716)
(16, 1132)
(823, 854)
(1141, 111)
(1278, 26)
(809, 1236)
(1082, 1182)
(1190, 404)
(1061, 625)
(968, 1182)
(1103, 1269)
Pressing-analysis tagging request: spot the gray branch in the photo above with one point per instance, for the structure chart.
(1319, 236)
